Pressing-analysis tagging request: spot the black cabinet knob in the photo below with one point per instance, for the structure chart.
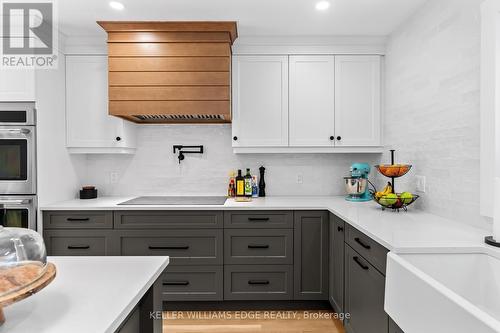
(118, 138)
(332, 138)
(340, 229)
(235, 138)
(339, 138)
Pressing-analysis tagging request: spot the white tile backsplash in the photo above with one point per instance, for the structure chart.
(155, 170)
(432, 105)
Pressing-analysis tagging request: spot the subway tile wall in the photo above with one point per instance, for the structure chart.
(432, 105)
(154, 169)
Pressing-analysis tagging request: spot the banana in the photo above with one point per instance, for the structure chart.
(387, 189)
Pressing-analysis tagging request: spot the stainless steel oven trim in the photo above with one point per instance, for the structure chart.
(28, 202)
(29, 107)
(16, 186)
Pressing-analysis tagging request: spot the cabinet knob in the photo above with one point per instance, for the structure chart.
(339, 138)
(235, 138)
(118, 138)
(339, 229)
(332, 138)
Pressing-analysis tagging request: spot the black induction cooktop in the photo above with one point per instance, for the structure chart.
(175, 200)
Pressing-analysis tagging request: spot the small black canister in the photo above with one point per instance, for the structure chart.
(88, 192)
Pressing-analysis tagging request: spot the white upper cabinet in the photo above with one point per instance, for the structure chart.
(260, 101)
(89, 128)
(357, 101)
(17, 85)
(312, 101)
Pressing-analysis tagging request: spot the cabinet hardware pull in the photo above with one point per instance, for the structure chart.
(78, 247)
(332, 138)
(118, 138)
(258, 219)
(356, 259)
(176, 283)
(180, 247)
(339, 229)
(258, 282)
(360, 242)
(235, 138)
(339, 138)
(258, 246)
(74, 219)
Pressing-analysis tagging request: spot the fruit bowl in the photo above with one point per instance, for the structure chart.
(397, 202)
(393, 171)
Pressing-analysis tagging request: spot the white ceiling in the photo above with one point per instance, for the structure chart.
(254, 17)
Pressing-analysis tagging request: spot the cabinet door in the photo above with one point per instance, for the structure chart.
(260, 101)
(312, 101)
(336, 286)
(364, 295)
(88, 122)
(310, 255)
(357, 101)
(17, 85)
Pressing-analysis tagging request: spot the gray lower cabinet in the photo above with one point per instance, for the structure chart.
(184, 247)
(268, 219)
(258, 282)
(72, 242)
(364, 295)
(336, 273)
(393, 327)
(77, 220)
(311, 255)
(168, 219)
(192, 283)
(258, 246)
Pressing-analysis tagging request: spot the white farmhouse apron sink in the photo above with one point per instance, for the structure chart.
(444, 290)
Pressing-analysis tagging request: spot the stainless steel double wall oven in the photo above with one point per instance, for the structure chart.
(18, 164)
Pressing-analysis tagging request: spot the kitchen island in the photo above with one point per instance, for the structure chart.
(93, 294)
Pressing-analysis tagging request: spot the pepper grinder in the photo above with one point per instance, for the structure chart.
(262, 182)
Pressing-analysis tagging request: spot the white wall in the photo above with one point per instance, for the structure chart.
(432, 104)
(154, 169)
(58, 172)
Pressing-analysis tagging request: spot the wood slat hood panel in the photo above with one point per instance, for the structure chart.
(171, 72)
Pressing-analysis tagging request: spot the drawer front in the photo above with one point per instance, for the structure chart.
(78, 243)
(258, 219)
(258, 282)
(184, 247)
(77, 220)
(168, 220)
(253, 246)
(372, 251)
(192, 283)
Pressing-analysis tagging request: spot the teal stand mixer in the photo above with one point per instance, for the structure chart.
(357, 184)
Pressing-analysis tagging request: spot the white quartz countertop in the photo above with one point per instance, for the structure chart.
(412, 229)
(89, 294)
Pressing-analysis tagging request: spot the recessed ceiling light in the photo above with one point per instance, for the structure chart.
(322, 5)
(116, 5)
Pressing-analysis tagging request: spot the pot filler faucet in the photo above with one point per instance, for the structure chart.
(187, 150)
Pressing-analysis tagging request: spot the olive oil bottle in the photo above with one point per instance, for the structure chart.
(248, 184)
(240, 185)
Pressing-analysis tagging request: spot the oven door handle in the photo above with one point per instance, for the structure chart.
(24, 131)
(15, 202)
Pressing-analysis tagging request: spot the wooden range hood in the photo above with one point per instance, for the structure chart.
(170, 72)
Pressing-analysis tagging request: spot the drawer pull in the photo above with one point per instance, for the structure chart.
(339, 229)
(263, 282)
(360, 242)
(176, 283)
(261, 219)
(180, 247)
(258, 246)
(356, 259)
(78, 247)
(78, 219)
